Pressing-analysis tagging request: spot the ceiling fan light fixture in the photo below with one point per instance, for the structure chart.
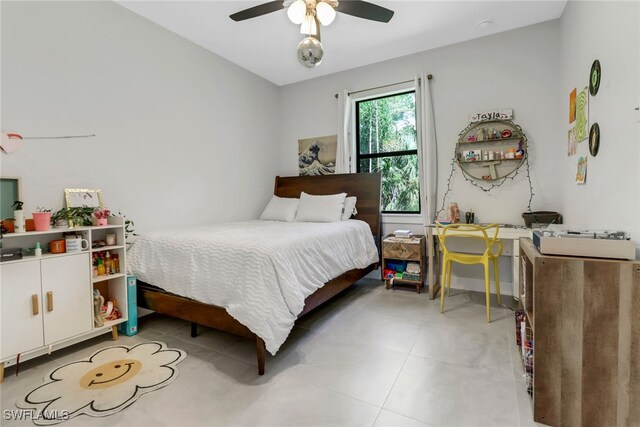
(297, 11)
(310, 52)
(325, 13)
(309, 25)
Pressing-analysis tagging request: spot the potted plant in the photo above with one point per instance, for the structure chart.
(101, 216)
(80, 216)
(42, 219)
(60, 219)
(72, 217)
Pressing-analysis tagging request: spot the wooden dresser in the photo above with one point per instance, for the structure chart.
(584, 316)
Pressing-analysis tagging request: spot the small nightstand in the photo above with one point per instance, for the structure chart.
(402, 251)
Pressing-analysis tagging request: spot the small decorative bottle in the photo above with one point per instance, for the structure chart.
(18, 216)
(107, 263)
(116, 263)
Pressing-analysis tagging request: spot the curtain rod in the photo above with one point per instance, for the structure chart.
(429, 77)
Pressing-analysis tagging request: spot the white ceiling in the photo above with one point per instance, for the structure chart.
(267, 45)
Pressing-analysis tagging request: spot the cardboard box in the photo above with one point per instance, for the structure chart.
(130, 327)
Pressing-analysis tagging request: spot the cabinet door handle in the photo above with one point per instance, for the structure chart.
(49, 301)
(35, 306)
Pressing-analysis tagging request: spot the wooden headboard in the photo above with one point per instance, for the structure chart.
(365, 186)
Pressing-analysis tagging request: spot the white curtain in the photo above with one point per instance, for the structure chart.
(427, 149)
(343, 154)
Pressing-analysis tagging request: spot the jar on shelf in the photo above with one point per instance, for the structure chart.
(101, 269)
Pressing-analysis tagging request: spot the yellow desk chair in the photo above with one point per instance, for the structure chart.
(476, 232)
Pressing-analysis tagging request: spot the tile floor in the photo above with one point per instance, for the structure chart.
(370, 357)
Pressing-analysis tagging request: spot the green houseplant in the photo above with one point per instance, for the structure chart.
(72, 217)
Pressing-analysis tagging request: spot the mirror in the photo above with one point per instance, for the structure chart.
(79, 197)
(9, 193)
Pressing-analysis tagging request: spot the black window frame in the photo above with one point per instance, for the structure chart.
(360, 156)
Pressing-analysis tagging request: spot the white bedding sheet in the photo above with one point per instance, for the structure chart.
(260, 271)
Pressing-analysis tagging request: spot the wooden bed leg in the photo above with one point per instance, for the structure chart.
(114, 333)
(1, 372)
(260, 350)
(194, 329)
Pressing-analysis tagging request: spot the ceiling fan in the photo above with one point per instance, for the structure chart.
(358, 8)
(310, 14)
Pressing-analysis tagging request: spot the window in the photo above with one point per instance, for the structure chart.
(386, 141)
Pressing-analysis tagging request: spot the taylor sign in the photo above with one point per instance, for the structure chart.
(491, 115)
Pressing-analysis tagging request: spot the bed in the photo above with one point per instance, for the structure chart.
(279, 290)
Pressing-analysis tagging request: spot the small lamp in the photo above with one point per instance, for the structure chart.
(297, 11)
(325, 13)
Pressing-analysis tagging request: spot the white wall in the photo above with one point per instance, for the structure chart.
(517, 69)
(609, 32)
(183, 136)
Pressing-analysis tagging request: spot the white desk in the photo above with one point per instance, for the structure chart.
(505, 233)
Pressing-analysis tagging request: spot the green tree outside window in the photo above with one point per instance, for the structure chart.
(387, 142)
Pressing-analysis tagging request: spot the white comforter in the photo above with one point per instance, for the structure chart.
(260, 271)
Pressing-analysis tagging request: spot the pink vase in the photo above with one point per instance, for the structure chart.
(41, 220)
(100, 222)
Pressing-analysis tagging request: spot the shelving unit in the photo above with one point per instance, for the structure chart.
(488, 161)
(494, 140)
(583, 319)
(407, 250)
(473, 139)
(47, 301)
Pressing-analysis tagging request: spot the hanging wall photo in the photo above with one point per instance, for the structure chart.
(582, 114)
(317, 156)
(571, 143)
(581, 173)
(572, 106)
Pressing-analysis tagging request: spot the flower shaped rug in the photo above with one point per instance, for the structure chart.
(109, 381)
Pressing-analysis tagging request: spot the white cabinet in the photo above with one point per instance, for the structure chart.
(47, 302)
(21, 316)
(66, 297)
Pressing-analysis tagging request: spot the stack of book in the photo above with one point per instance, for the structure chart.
(403, 234)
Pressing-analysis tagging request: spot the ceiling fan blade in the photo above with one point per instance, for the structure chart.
(365, 10)
(261, 9)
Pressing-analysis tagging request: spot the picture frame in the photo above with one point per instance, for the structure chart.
(10, 191)
(79, 197)
(317, 156)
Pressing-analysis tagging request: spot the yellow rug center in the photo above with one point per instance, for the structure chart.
(110, 374)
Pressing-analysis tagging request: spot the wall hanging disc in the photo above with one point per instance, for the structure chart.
(594, 78)
(594, 139)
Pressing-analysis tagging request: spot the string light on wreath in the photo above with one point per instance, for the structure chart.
(488, 186)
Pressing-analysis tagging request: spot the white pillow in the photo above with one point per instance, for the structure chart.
(349, 208)
(320, 208)
(280, 209)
